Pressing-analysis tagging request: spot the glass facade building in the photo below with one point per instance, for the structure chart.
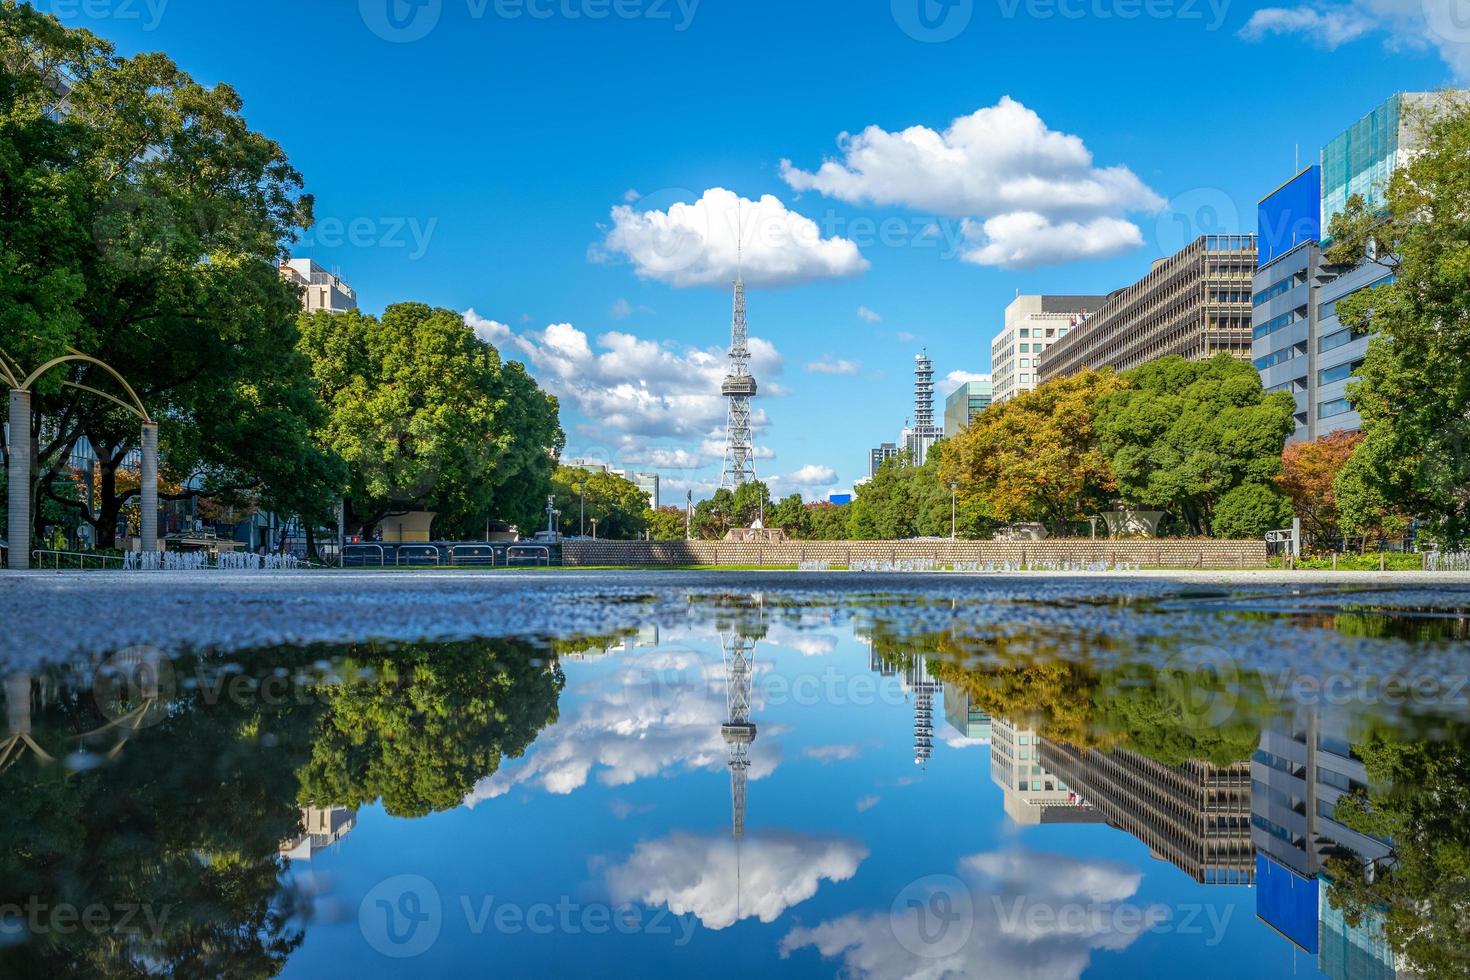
(964, 403)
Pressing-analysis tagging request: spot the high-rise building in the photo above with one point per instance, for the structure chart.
(647, 482)
(320, 289)
(1032, 324)
(923, 433)
(1195, 303)
(880, 455)
(1299, 344)
(1195, 816)
(966, 402)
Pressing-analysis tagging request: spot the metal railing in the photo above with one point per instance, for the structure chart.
(382, 554)
(538, 554)
(40, 557)
(424, 551)
(482, 556)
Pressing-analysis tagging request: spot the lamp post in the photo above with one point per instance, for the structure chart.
(594, 529)
(551, 517)
(582, 518)
(953, 512)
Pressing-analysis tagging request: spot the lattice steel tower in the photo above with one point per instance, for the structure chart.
(739, 388)
(738, 730)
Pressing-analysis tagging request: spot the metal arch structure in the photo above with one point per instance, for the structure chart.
(18, 490)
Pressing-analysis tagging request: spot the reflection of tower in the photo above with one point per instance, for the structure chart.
(917, 679)
(738, 729)
(739, 388)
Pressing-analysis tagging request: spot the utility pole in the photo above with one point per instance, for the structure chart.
(582, 520)
(953, 512)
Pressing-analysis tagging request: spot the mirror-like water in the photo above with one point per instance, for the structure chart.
(1093, 781)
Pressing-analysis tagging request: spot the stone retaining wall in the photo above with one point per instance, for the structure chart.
(1169, 553)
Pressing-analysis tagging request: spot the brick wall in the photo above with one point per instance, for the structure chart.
(1165, 553)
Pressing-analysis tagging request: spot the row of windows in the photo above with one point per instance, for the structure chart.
(1338, 406)
(1276, 289)
(1337, 780)
(1276, 323)
(1280, 357)
(1339, 373)
(1340, 339)
(1330, 309)
(1051, 332)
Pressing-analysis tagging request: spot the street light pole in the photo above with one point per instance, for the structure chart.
(582, 519)
(953, 512)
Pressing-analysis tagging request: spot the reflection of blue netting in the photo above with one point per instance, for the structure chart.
(1360, 160)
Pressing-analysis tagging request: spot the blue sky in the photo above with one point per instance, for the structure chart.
(540, 161)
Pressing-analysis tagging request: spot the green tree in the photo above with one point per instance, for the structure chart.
(615, 503)
(792, 516)
(828, 522)
(667, 524)
(428, 417)
(1250, 510)
(148, 219)
(1035, 457)
(1413, 390)
(1183, 434)
(751, 502)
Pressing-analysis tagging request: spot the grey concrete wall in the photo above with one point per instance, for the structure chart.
(1166, 553)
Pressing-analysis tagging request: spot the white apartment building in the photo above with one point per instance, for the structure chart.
(320, 289)
(1032, 324)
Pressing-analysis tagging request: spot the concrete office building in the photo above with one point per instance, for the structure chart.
(1299, 344)
(1195, 816)
(1031, 793)
(880, 455)
(647, 482)
(1032, 324)
(320, 289)
(966, 402)
(1195, 303)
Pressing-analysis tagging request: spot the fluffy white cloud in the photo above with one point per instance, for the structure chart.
(696, 244)
(658, 713)
(811, 479)
(832, 753)
(954, 379)
(622, 309)
(828, 365)
(700, 876)
(1436, 25)
(993, 936)
(630, 385)
(868, 315)
(1032, 196)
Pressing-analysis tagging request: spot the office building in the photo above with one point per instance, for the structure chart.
(966, 402)
(882, 454)
(321, 291)
(1031, 793)
(1032, 324)
(1299, 344)
(647, 482)
(1195, 303)
(1196, 816)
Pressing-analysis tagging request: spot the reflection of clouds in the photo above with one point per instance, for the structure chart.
(696, 875)
(832, 753)
(867, 803)
(1003, 940)
(805, 642)
(659, 712)
(965, 742)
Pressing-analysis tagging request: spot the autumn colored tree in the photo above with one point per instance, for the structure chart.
(1308, 470)
(1036, 457)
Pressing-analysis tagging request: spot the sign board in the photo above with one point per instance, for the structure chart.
(1279, 537)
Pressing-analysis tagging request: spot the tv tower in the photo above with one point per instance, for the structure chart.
(739, 388)
(738, 730)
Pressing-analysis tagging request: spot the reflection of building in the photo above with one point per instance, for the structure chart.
(963, 716)
(321, 827)
(1195, 816)
(917, 680)
(1298, 775)
(1195, 303)
(1032, 793)
(964, 403)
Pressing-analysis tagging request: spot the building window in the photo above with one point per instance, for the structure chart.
(1025, 362)
(1339, 373)
(1338, 406)
(1280, 357)
(1275, 323)
(1025, 332)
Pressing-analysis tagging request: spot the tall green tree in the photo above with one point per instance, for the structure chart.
(1184, 434)
(143, 223)
(1413, 390)
(619, 508)
(428, 417)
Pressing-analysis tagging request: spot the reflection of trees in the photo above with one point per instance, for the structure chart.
(425, 722)
(1170, 714)
(187, 819)
(1418, 802)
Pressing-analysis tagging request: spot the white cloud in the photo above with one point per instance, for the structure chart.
(867, 803)
(622, 309)
(706, 877)
(832, 753)
(658, 714)
(954, 379)
(1436, 25)
(965, 742)
(827, 365)
(868, 315)
(811, 479)
(1033, 195)
(991, 934)
(696, 244)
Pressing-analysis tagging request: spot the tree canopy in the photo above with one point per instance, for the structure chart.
(617, 505)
